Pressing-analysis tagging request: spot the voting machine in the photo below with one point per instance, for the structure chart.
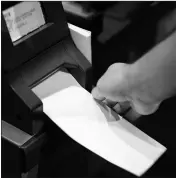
(39, 58)
(36, 45)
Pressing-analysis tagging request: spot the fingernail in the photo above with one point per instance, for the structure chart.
(132, 115)
(110, 103)
(117, 108)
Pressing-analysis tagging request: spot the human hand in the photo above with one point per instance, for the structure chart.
(121, 90)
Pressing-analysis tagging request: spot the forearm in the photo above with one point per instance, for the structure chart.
(155, 72)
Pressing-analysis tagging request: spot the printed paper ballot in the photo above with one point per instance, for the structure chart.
(101, 130)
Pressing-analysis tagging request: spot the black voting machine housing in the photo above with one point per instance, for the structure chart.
(25, 65)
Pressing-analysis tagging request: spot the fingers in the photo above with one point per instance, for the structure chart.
(113, 89)
(112, 84)
(138, 108)
(118, 107)
(122, 107)
(97, 94)
(132, 115)
(125, 109)
(109, 103)
(143, 108)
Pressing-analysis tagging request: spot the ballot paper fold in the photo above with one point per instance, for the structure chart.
(102, 131)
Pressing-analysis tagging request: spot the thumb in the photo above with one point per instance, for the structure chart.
(113, 84)
(97, 94)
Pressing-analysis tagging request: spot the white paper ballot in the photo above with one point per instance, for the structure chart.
(101, 130)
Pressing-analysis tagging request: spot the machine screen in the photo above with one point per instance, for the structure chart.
(23, 18)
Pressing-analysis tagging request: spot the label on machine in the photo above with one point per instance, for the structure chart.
(23, 18)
